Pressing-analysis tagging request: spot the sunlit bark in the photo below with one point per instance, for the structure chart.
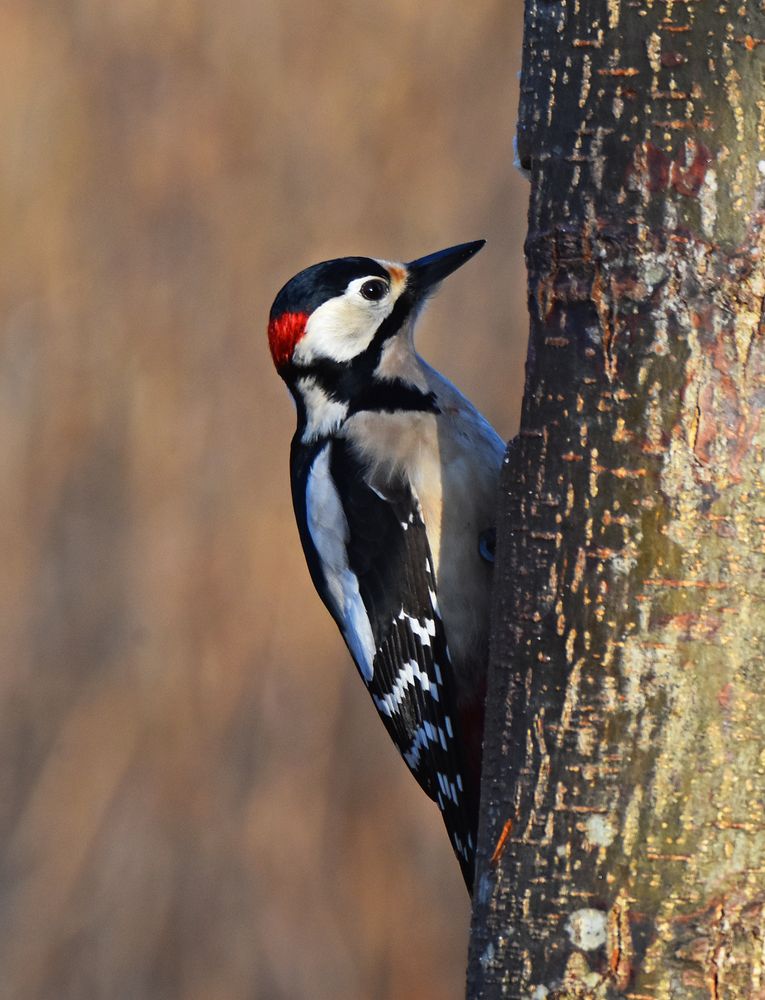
(623, 830)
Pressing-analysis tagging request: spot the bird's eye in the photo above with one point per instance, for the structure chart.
(374, 289)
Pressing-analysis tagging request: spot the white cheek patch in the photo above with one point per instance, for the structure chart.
(340, 328)
(328, 527)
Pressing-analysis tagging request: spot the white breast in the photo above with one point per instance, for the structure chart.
(452, 461)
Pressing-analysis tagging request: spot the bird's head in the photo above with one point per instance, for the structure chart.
(338, 315)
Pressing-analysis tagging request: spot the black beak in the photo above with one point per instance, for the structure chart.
(425, 273)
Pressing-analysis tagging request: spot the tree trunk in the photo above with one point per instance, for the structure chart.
(623, 830)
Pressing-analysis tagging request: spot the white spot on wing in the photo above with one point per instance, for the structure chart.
(444, 784)
(433, 601)
(447, 787)
(423, 632)
(426, 733)
(407, 675)
(328, 528)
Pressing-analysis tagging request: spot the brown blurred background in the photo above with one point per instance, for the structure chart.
(197, 799)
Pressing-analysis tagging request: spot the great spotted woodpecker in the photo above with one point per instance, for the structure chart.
(394, 480)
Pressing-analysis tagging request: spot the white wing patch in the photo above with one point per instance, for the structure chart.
(328, 527)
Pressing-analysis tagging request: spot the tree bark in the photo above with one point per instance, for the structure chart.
(622, 848)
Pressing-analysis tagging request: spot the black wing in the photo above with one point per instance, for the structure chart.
(410, 680)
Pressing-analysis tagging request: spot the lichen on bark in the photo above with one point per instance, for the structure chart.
(625, 751)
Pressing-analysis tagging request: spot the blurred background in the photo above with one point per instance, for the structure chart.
(196, 797)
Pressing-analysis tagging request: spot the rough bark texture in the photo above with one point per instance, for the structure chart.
(624, 780)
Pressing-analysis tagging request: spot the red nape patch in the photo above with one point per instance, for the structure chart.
(284, 332)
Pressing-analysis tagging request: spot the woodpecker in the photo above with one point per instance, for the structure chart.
(394, 480)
